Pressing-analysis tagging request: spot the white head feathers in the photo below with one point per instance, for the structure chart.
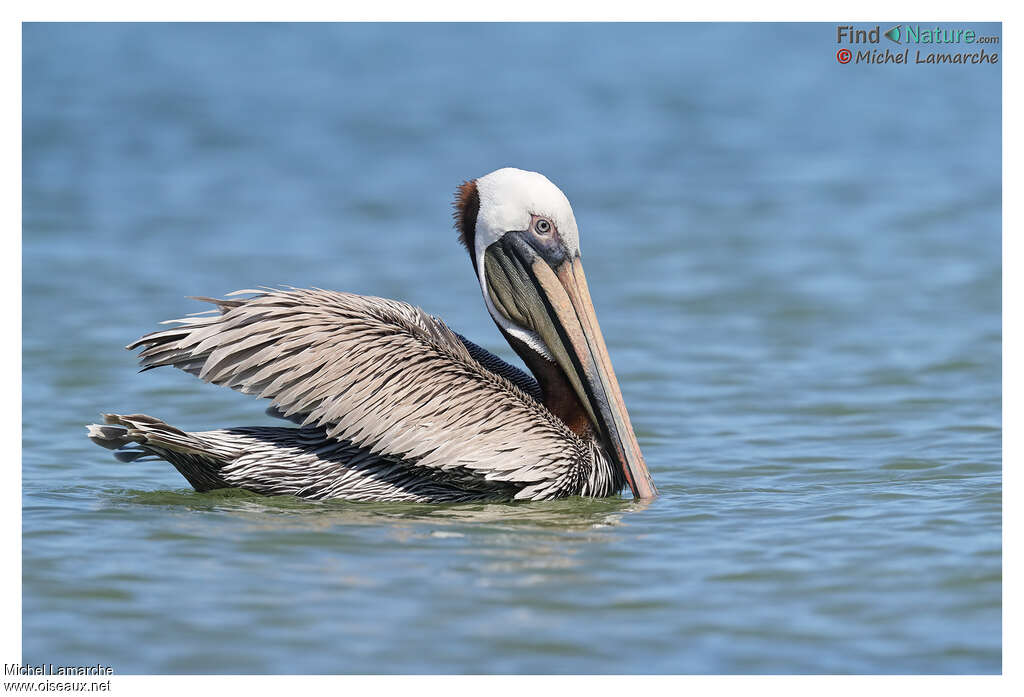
(509, 198)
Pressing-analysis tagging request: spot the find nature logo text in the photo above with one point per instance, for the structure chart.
(912, 34)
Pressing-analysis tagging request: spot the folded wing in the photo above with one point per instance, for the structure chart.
(384, 376)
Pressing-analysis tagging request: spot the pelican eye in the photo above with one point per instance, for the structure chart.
(543, 226)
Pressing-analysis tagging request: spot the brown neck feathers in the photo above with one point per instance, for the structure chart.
(558, 395)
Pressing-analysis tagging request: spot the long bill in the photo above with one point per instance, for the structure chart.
(552, 299)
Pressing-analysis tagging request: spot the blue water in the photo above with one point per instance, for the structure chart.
(796, 265)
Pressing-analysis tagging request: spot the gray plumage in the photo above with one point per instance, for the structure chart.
(393, 406)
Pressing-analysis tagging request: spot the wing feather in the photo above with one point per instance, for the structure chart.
(383, 375)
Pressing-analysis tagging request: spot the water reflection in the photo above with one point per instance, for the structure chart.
(563, 514)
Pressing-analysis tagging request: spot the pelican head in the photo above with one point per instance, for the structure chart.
(521, 235)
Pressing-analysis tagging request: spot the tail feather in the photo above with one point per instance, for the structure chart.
(110, 437)
(137, 436)
(148, 430)
(134, 456)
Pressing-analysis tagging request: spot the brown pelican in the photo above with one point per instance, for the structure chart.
(392, 405)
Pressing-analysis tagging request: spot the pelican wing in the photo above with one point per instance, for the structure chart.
(383, 375)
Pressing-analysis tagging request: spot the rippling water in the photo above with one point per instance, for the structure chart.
(796, 265)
